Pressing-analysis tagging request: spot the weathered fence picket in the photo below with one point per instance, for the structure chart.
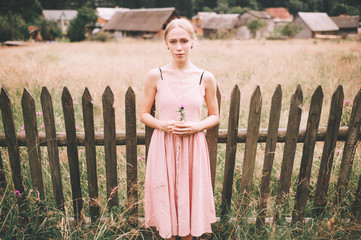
(328, 152)
(131, 153)
(110, 147)
(90, 154)
(32, 142)
(72, 150)
(11, 140)
(231, 150)
(269, 155)
(352, 137)
(212, 142)
(254, 121)
(131, 138)
(293, 125)
(52, 147)
(303, 187)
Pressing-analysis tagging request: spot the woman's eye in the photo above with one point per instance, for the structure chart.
(172, 41)
(184, 41)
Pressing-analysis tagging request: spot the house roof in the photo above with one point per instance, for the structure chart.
(148, 20)
(55, 15)
(220, 21)
(318, 22)
(346, 21)
(280, 13)
(260, 14)
(107, 13)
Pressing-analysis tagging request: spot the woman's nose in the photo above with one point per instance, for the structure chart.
(179, 47)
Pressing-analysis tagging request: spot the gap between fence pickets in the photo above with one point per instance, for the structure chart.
(251, 220)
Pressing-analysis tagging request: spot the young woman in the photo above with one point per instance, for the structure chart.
(178, 191)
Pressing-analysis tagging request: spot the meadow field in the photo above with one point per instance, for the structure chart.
(124, 64)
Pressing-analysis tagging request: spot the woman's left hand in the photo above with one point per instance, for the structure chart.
(186, 128)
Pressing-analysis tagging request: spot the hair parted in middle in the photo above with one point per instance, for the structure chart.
(179, 22)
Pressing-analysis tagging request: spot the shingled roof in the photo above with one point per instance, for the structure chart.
(221, 21)
(318, 22)
(280, 13)
(346, 21)
(56, 15)
(260, 14)
(143, 20)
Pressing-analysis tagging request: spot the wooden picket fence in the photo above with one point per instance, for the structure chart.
(251, 136)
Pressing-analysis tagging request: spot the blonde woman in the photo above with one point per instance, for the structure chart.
(178, 191)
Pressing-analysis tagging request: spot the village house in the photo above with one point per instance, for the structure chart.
(315, 25)
(105, 14)
(199, 19)
(145, 23)
(348, 25)
(219, 25)
(62, 17)
(243, 31)
(281, 16)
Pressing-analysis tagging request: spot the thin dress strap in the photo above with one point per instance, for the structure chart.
(161, 74)
(200, 81)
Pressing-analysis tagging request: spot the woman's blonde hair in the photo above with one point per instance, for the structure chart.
(185, 24)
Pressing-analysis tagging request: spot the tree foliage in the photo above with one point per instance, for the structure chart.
(254, 25)
(76, 30)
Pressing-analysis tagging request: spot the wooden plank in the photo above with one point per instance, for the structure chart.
(270, 150)
(131, 154)
(231, 149)
(110, 147)
(212, 142)
(72, 150)
(90, 155)
(254, 120)
(293, 125)
(32, 142)
(148, 132)
(222, 137)
(2, 177)
(52, 147)
(356, 208)
(352, 137)
(303, 187)
(329, 145)
(11, 140)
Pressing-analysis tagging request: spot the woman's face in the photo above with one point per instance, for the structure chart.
(179, 43)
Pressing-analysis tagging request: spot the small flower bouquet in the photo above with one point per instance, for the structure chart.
(182, 114)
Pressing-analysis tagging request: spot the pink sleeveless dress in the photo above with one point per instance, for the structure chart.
(178, 190)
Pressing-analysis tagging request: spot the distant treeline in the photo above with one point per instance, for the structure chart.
(191, 7)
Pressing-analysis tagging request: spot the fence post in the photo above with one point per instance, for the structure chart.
(110, 147)
(303, 187)
(293, 125)
(32, 142)
(352, 137)
(11, 141)
(254, 120)
(328, 151)
(212, 142)
(90, 154)
(231, 149)
(72, 150)
(271, 142)
(2, 177)
(52, 146)
(131, 154)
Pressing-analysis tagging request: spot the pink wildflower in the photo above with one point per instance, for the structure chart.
(39, 113)
(17, 193)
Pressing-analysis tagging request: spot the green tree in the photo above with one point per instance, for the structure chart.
(49, 29)
(254, 25)
(290, 30)
(28, 10)
(76, 30)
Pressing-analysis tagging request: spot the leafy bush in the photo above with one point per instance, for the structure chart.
(102, 36)
(254, 25)
(291, 30)
(76, 30)
(20, 28)
(49, 29)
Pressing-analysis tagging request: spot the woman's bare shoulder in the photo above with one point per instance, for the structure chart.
(209, 78)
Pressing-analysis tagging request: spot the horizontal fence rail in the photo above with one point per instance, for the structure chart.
(131, 138)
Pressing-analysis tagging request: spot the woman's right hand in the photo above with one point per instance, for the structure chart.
(167, 126)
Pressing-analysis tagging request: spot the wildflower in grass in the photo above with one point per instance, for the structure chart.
(17, 193)
(141, 157)
(22, 127)
(39, 113)
(182, 115)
